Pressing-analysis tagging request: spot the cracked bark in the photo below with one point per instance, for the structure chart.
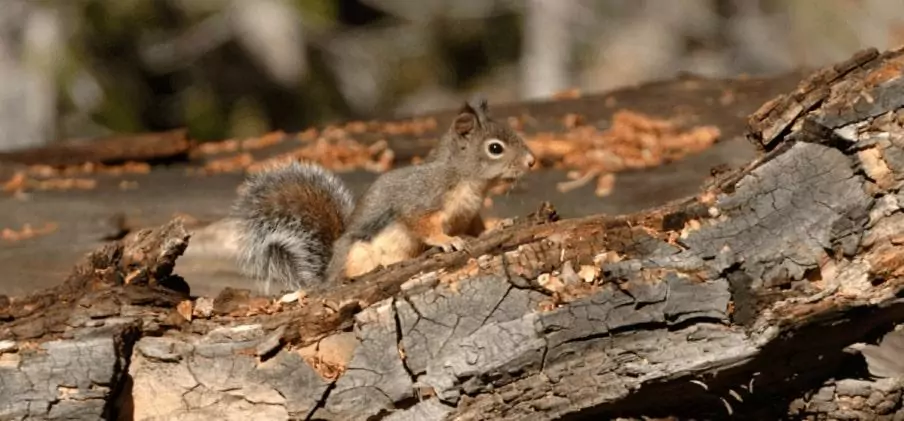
(743, 300)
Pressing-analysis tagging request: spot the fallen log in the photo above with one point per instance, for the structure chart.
(90, 203)
(742, 301)
(116, 149)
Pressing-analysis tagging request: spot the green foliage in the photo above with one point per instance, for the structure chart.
(204, 118)
(318, 15)
(221, 94)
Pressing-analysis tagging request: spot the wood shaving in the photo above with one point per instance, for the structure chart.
(88, 168)
(308, 135)
(228, 164)
(727, 98)
(573, 93)
(253, 307)
(413, 127)
(214, 148)
(27, 232)
(236, 145)
(20, 182)
(550, 282)
(333, 150)
(203, 308)
(547, 305)
(634, 141)
(184, 308)
(588, 273)
(356, 127)
(16, 183)
(875, 167)
(326, 370)
(64, 184)
(416, 126)
(606, 257)
(573, 120)
(292, 297)
(131, 276)
(264, 141)
(492, 223)
(578, 182)
(707, 198)
(604, 185)
(689, 227)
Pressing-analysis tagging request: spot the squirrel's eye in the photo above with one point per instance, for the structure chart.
(495, 148)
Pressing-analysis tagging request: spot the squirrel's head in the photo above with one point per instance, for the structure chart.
(490, 150)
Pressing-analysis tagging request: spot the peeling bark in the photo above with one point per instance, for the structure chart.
(743, 300)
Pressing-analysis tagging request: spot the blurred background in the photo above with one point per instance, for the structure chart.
(237, 68)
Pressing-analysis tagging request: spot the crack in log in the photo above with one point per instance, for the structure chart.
(320, 402)
(495, 307)
(399, 345)
(813, 340)
(543, 360)
(421, 316)
(121, 393)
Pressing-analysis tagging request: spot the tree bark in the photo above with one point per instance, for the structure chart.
(739, 301)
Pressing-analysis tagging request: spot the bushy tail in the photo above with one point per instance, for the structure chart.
(288, 219)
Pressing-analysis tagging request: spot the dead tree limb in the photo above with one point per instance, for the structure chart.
(739, 301)
(111, 149)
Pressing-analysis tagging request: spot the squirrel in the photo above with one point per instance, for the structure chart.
(299, 226)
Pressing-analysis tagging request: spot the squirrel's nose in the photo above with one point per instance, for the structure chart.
(529, 160)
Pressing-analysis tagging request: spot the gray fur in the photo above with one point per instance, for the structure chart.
(370, 225)
(284, 241)
(281, 246)
(479, 106)
(419, 189)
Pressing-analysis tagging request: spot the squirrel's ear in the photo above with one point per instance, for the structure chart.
(478, 103)
(464, 123)
(473, 113)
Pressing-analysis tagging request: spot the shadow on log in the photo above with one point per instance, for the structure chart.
(742, 301)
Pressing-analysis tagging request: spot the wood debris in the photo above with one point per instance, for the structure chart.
(26, 232)
(214, 148)
(88, 168)
(573, 93)
(184, 309)
(20, 182)
(228, 164)
(333, 149)
(634, 141)
(264, 141)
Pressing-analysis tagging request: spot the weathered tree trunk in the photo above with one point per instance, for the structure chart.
(739, 301)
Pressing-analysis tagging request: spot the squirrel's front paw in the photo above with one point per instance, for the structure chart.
(449, 244)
